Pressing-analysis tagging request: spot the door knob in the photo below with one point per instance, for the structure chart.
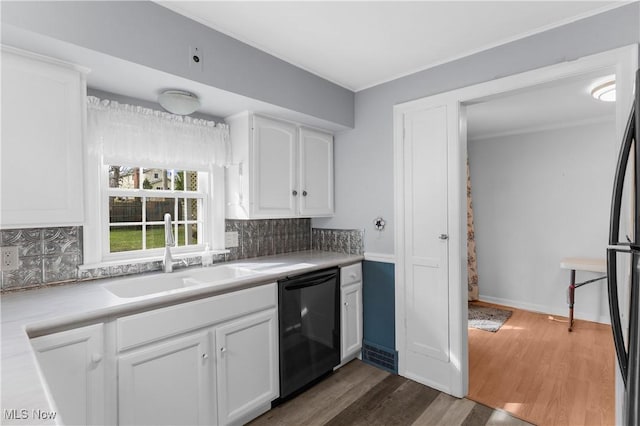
(294, 192)
(304, 193)
(444, 237)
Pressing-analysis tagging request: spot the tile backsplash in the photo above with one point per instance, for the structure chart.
(52, 255)
(348, 241)
(45, 255)
(269, 236)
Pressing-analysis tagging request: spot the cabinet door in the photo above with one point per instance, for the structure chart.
(41, 173)
(168, 383)
(73, 367)
(247, 368)
(274, 189)
(351, 320)
(316, 173)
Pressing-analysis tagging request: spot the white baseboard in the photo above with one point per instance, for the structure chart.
(550, 310)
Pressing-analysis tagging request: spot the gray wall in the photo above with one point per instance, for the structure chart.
(364, 156)
(148, 34)
(537, 198)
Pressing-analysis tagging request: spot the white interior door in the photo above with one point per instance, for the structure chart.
(431, 280)
(425, 348)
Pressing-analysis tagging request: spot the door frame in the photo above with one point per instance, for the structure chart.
(625, 62)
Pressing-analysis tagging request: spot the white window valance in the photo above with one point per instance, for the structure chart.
(132, 135)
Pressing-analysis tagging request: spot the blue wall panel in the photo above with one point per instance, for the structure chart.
(378, 297)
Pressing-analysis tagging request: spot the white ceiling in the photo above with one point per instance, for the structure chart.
(562, 103)
(359, 44)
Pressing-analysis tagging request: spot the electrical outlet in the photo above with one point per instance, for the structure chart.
(9, 258)
(231, 239)
(196, 58)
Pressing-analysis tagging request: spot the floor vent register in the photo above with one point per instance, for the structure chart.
(380, 356)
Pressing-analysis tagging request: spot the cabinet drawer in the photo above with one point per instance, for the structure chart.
(146, 327)
(350, 274)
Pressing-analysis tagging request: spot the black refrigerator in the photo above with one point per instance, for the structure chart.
(623, 263)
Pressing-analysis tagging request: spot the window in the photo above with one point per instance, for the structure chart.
(139, 165)
(136, 209)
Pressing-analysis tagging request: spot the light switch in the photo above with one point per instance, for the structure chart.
(231, 239)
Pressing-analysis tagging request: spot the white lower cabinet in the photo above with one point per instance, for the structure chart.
(351, 320)
(168, 383)
(351, 313)
(210, 361)
(247, 367)
(73, 367)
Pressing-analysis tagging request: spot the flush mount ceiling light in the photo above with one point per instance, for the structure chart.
(179, 102)
(605, 91)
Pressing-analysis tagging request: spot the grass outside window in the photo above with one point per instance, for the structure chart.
(130, 238)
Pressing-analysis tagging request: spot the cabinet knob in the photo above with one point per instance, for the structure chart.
(205, 356)
(346, 304)
(223, 350)
(353, 275)
(443, 237)
(294, 192)
(304, 193)
(96, 358)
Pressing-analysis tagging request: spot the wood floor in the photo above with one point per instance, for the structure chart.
(534, 368)
(359, 394)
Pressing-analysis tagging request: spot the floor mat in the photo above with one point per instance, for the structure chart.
(486, 318)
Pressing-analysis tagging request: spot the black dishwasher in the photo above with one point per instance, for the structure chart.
(309, 325)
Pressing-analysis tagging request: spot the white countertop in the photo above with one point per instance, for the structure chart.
(50, 309)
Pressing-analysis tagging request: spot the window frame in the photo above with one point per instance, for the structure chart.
(204, 227)
(144, 194)
(96, 248)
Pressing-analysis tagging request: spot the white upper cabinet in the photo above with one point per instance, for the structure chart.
(279, 170)
(273, 156)
(316, 173)
(42, 127)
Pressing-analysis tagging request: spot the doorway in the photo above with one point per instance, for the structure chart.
(439, 357)
(542, 162)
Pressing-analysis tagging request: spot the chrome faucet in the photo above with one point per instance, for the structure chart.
(167, 261)
(169, 241)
